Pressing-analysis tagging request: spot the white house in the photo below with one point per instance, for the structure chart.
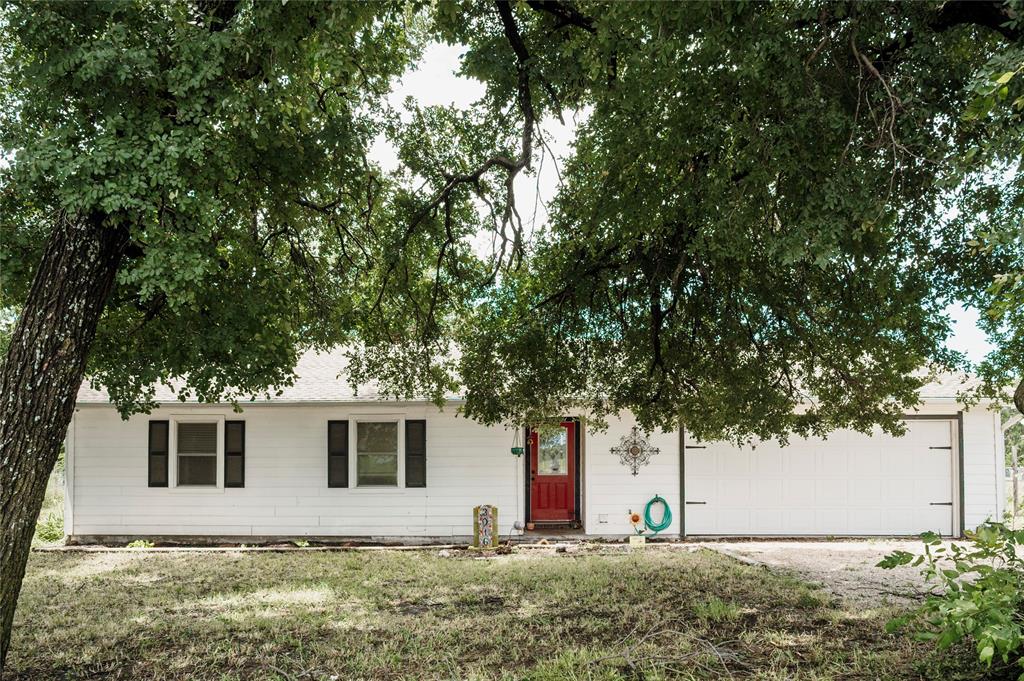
(320, 461)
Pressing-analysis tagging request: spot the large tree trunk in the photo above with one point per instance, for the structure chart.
(39, 382)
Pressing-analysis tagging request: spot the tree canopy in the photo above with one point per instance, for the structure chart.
(766, 204)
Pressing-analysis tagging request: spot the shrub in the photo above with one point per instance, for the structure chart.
(981, 600)
(140, 544)
(50, 529)
(50, 523)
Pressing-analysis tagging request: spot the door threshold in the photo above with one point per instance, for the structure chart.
(556, 528)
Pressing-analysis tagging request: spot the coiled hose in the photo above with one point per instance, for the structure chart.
(666, 516)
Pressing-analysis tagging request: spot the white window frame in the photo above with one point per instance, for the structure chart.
(353, 448)
(172, 473)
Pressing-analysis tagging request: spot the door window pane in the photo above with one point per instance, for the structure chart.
(553, 457)
(377, 453)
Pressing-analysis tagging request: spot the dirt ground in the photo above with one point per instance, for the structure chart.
(846, 569)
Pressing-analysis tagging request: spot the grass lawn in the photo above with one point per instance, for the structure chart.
(661, 613)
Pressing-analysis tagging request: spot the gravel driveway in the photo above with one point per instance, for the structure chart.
(845, 569)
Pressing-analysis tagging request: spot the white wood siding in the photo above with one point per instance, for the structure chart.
(983, 467)
(286, 489)
(610, 490)
(468, 464)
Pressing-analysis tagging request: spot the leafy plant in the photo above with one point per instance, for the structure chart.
(140, 544)
(982, 593)
(301, 543)
(50, 529)
(50, 522)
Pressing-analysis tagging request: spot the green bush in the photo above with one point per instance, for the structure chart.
(50, 523)
(50, 529)
(140, 544)
(982, 596)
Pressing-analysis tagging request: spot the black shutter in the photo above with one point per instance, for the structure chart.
(159, 432)
(415, 453)
(337, 453)
(234, 453)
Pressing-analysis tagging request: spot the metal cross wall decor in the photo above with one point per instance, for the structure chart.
(634, 451)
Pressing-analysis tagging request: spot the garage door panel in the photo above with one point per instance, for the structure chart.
(865, 493)
(830, 521)
(768, 493)
(733, 489)
(848, 484)
(931, 491)
(865, 463)
(702, 516)
(865, 521)
(768, 462)
(701, 463)
(732, 517)
(831, 463)
(894, 489)
(736, 464)
(830, 491)
(934, 519)
(800, 493)
(909, 466)
(799, 459)
(768, 522)
(798, 522)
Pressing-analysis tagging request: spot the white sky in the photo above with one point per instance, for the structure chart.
(435, 83)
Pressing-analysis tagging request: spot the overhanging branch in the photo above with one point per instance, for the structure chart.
(512, 166)
(993, 14)
(565, 12)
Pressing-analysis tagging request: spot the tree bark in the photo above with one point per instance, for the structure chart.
(39, 382)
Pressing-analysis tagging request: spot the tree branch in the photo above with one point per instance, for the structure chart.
(565, 12)
(512, 166)
(217, 12)
(993, 14)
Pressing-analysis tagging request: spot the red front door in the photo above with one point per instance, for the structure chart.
(553, 473)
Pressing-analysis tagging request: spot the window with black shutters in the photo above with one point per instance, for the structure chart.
(234, 453)
(415, 453)
(159, 432)
(337, 453)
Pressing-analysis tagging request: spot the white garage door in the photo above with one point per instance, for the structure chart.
(847, 484)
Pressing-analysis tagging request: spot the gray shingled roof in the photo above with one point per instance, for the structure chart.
(317, 380)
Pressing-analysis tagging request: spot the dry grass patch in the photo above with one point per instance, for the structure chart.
(411, 615)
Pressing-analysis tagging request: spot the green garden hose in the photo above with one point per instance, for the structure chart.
(666, 517)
